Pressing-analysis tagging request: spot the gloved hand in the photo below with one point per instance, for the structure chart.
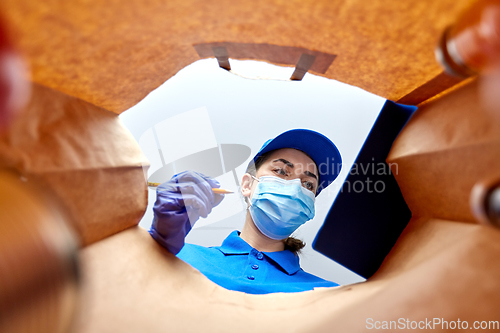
(179, 204)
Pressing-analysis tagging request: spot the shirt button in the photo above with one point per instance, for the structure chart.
(251, 277)
(260, 256)
(255, 266)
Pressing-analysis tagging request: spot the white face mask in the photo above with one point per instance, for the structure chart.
(278, 207)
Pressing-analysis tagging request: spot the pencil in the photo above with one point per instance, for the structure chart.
(221, 191)
(215, 190)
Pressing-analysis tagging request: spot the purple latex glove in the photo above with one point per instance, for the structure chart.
(180, 202)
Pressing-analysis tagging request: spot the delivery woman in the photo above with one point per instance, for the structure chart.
(280, 187)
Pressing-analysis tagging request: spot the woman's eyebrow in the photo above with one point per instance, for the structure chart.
(287, 163)
(290, 164)
(310, 174)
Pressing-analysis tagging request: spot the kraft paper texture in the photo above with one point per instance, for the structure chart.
(112, 54)
(85, 156)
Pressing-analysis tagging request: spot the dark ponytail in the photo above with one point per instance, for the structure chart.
(293, 244)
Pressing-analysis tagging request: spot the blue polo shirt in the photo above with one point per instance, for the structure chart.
(235, 265)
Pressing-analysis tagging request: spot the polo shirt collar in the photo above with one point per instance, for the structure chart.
(286, 259)
(233, 244)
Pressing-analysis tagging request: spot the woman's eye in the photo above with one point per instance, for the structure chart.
(308, 185)
(280, 171)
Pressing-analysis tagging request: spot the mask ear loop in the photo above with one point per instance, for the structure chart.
(248, 201)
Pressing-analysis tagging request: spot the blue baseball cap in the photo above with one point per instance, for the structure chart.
(321, 150)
